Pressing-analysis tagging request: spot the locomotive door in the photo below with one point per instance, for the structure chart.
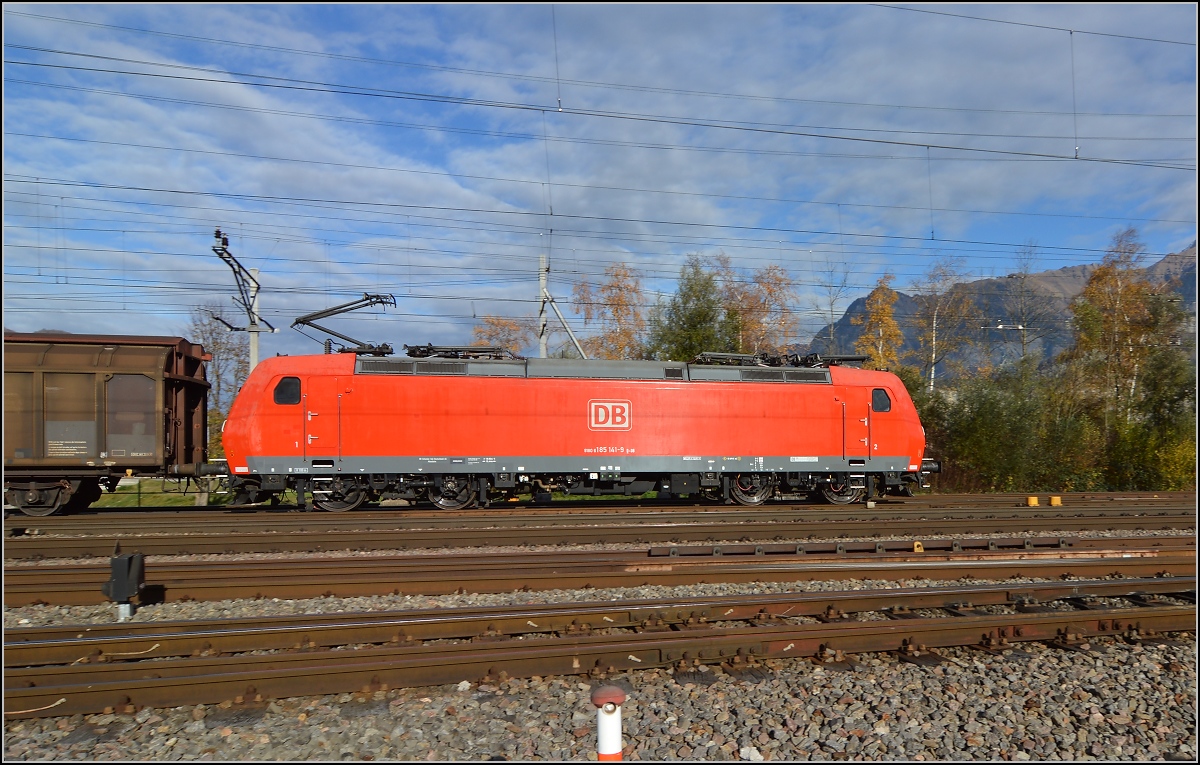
(856, 422)
(322, 415)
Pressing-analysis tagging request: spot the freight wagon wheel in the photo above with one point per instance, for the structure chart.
(840, 493)
(36, 502)
(751, 488)
(455, 493)
(348, 500)
(40, 510)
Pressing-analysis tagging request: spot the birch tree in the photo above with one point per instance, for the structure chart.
(1115, 326)
(941, 317)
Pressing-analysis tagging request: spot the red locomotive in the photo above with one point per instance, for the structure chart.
(458, 427)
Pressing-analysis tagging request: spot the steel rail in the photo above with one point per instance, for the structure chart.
(581, 512)
(122, 687)
(310, 576)
(137, 641)
(318, 534)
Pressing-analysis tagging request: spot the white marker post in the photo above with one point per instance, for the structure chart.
(608, 700)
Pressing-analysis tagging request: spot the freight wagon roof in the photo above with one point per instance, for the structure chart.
(70, 338)
(170, 357)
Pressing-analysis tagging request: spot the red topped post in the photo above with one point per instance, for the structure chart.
(608, 700)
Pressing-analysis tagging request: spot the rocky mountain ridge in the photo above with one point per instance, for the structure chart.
(992, 301)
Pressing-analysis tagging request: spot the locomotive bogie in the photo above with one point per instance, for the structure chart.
(458, 433)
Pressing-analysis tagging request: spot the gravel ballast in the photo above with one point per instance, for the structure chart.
(1117, 701)
(1114, 702)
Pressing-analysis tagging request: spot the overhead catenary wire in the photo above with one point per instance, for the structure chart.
(365, 91)
(581, 83)
(365, 205)
(591, 186)
(656, 233)
(94, 276)
(1036, 26)
(1167, 163)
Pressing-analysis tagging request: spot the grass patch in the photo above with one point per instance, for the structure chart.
(158, 492)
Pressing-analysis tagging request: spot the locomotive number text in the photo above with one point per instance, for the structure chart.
(608, 450)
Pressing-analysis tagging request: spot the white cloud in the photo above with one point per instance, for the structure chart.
(462, 235)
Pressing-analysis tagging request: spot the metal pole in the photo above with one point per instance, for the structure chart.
(547, 297)
(543, 271)
(254, 328)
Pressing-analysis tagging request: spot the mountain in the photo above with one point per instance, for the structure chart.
(1048, 330)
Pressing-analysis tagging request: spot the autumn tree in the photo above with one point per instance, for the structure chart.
(762, 305)
(1114, 325)
(694, 319)
(881, 337)
(226, 371)
(511, 334)
(615, 306)
(1138, 377)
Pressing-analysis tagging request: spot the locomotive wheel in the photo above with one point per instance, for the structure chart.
(349, 500)
(456, 492)
(751, 488)
(840, 493)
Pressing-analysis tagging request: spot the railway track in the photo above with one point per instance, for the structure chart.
(72, 670)
(208, 532)
(431, 574)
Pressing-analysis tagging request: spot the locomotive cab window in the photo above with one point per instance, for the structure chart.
(287, 391)
(880, 400)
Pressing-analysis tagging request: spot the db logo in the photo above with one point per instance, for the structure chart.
(609, 415)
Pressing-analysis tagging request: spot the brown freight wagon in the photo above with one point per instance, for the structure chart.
(84, 411)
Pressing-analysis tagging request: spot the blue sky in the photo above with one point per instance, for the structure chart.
(434, 152)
